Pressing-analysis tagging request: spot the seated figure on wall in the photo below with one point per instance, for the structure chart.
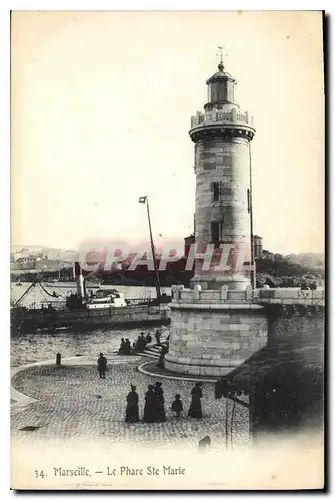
(122, 347)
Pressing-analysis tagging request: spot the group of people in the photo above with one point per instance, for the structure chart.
(154, 410)
(154, 406)
(126, 348)
(142, 342)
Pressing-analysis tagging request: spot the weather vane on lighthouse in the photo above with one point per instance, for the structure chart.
(220, 55)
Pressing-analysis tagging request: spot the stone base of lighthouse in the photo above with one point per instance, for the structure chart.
(213, 331)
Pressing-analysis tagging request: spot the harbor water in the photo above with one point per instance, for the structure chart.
(30, 348)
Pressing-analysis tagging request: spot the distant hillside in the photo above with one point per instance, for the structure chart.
(307, 260)
(51, 253)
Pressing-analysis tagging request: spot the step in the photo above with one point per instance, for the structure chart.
(153, 348)
(148, 354)
(154, 351)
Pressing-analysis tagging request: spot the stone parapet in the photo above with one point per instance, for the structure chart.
(230, 115)
(182, 295)
(293, 296)
(223, 295)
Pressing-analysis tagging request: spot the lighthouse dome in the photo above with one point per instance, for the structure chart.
(220, 75)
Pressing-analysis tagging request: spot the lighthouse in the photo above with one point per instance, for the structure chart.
(215, 326)
(222, 136)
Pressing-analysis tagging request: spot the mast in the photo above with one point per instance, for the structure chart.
(58, 265)
(158, 290)
(252, 258)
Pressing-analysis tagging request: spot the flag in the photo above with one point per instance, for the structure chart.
(142, 199)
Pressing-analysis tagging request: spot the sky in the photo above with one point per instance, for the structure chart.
(101, 104)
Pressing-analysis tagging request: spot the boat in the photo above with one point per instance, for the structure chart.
(106, 300)
(87, 319)
(18, 283)
(87, 311)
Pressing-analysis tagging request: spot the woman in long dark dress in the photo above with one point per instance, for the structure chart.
(150, 406)
(160, 409)
(195, 410)
(132, 415)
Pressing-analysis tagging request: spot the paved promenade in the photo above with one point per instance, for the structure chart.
(72, 402)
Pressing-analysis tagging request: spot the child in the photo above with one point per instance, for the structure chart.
(177, 405)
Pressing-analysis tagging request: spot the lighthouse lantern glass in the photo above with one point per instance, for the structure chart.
(220, 91)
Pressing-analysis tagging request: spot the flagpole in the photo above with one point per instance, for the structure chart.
(158, 290)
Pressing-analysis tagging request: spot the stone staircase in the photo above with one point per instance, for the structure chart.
(152, 350)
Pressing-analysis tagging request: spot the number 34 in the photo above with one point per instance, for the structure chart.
(39, 473)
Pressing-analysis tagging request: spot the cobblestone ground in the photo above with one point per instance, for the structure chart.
(72, 402)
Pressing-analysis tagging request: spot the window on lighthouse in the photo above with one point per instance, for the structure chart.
(216, 191)
(216, 228)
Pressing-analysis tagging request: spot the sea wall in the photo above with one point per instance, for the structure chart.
(287, 378)
(299, 329)
(84, 319)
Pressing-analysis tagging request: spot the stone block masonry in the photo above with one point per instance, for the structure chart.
(213, 339)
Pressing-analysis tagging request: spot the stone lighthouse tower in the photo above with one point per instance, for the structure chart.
(222, 165)
(215, 326)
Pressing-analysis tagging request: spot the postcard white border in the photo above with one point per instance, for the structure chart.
(5, 7)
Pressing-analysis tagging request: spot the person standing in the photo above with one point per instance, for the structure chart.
(150, 405)
(140, 344)
(132, 414)
(160, 409)
(158, 337)
(195, 410)
(102, 365)
(164, 351)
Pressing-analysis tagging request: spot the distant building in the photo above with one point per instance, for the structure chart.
(258, 247)
(189, 240)
(26, 262)
(21, 254)
(51, 265)
(278, 257)
(268, 255)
